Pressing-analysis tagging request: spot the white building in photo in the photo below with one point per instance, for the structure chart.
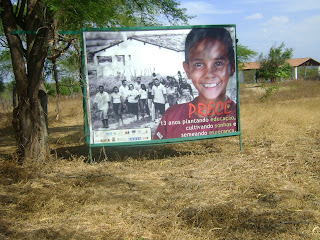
(132, 55)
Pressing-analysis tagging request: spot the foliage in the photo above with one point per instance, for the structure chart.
(244, 54)
(11, 85)
(269, 91)
(69, 64)
(76, 14)
(284, 71)
(273, 66)
(6, 71)
(2, 87)
(249, 76)
(51, 91)
(69, 85)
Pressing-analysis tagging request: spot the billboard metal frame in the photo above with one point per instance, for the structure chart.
(160, 141)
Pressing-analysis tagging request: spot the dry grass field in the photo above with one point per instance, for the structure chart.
(197, 190)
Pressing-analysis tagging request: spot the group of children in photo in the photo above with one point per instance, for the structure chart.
(139, 100)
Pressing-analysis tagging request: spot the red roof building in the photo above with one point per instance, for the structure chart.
(295, 62)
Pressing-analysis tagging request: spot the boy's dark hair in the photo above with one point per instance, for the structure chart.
(124, 81)
(198, 34)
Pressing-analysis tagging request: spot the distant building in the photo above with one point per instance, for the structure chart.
(295, 63)
(303, 62)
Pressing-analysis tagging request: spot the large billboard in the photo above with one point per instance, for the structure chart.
(158, 85)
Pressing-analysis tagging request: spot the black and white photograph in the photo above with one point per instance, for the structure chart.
(134, 77)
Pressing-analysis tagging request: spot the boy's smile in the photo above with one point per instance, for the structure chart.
(210, 70)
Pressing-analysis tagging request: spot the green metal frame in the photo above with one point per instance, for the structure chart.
(163, 141)
(238, 94)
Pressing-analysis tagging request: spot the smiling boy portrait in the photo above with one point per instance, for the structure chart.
(209, 63)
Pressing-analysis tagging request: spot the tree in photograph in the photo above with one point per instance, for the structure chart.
(244, 54)
(274, 65)
(38, 21)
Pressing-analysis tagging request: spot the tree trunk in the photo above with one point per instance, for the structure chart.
(56, 79)
(28, 117)
(33, 135)
(54, 63)
(14, 97)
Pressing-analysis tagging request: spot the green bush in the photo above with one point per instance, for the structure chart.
(69, 85)
(65, 90)
(51, 90)
(269, 91)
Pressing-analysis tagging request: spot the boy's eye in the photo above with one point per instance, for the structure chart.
(218, 64)
(198, 64)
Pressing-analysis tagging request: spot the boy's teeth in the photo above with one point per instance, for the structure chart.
(210, 85)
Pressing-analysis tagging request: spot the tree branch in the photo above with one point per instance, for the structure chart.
(15, 44)
(21, 10)
(61, 52)
(19, 14)
(3, 43)
(17, 7)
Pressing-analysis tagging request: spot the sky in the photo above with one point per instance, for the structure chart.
(261, 24)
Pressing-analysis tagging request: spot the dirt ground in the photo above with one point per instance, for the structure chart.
(196, 190)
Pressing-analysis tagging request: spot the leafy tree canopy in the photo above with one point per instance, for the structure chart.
(273, 65)
(244, 54)
(76, 14)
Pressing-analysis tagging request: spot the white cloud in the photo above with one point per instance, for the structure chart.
(277, 21)
(254, 16)
(201, 7)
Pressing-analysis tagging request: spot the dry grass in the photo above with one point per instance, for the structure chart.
(199, 190)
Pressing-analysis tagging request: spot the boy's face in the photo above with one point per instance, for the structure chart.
(156, 82)
(209, 68)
